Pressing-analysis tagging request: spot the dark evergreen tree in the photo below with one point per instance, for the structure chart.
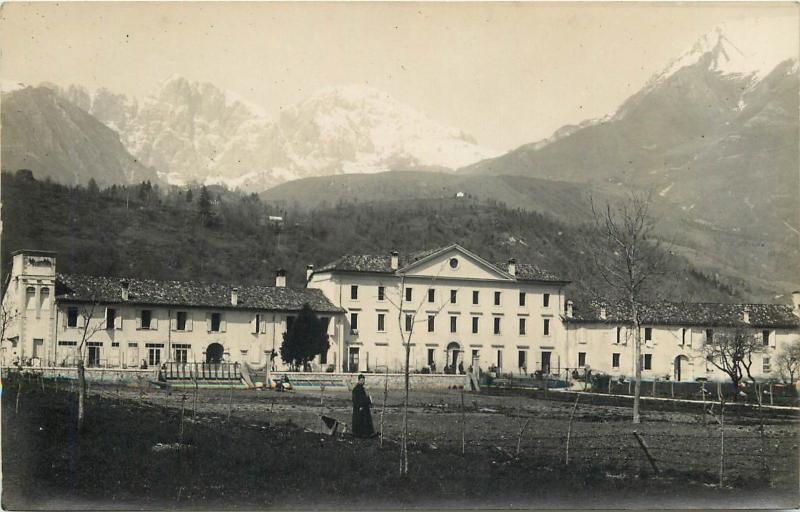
(204, 207)
(305, 339)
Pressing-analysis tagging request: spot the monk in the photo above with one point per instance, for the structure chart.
(362, 417)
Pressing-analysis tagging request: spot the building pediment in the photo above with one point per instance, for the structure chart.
(455, 262)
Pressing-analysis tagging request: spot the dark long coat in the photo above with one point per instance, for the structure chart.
(362, 417)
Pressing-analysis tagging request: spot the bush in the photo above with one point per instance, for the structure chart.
(600, 381)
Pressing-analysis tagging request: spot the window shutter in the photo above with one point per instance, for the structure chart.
(773, 338)
(208, 322)
(188, 321)
(254, 324)
(222, 322)
(105, 319)
(263, 327)
(154, 319)
(64, 318)
(118, 320)
(138, 318)
(173, 323)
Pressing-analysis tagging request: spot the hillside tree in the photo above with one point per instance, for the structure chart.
(305, 339)
(628, 260)
(732, 352)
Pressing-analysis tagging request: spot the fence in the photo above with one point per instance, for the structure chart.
(201, 371)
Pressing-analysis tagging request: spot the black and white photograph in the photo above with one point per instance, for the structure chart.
(399, 255)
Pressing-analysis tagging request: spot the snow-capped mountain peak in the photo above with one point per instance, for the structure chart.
(744, 48)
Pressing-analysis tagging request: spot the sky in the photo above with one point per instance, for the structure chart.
(506, 73)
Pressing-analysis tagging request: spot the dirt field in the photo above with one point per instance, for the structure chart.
(265, 454)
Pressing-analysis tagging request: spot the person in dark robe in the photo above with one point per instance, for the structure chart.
(362, 417)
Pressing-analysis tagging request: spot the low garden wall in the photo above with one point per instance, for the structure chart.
(373, 380)
(123, 376)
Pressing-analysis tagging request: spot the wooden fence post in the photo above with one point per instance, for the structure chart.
(721, 435)
(464, 426)
(629, 387)
(569, 427)
(646, 450)
(385, 393)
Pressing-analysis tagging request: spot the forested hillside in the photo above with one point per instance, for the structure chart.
(217, 235)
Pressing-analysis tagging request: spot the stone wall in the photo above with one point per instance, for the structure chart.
(123, 376)
(373, 380)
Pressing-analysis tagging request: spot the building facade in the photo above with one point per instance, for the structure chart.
(140, 323)
(457, 309)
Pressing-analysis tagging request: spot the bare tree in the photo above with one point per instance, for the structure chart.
(627, 260)
(8, 315)
(788, 362)
(732, 352)
(406, 335)
(86, 313)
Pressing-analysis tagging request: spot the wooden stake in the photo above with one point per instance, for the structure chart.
(569, 427)
(183, 406)
(230, 402)
(463, 426)
(609, 385)
(385, 394)
(519, 436)
(629, 387)
(721, 444)
(654, 388)
(770, 394)
(672, 389)
(19, 390)
(646, 450)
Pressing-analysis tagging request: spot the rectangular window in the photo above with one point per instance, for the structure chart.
(648, 334)
(408, 294)
(683, 336)
(765, 338)
(431, 322)
(111, 316)
(353, 292)
(499, 358)
(72, 317)
(180, 320)
(522, 359)
(181, 353)
(453, 323)
(581, 359)
(496, 298)
(431, 355)
(62, 343)
(475, 321)
(709, 335)
(522, 327)
(381, 322)
(615, 360)
(216, 320)
(353, 322)
(147, 317)
(114, 344)
(765, 366)
(546, 327)
(93, 354)
(431, 295)
(546, 300)
(497, 325)
(619, 334)
(153, 356)
(521, 298)
(475, 297)
(453, 296)
(381, 293)
(323, 357)
(409, 322)
(648, 362)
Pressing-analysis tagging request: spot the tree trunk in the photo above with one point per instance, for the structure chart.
(637, 391)
(81, 394)
(404, 458)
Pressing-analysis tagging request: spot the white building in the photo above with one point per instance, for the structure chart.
(136, 322)
(459, 308)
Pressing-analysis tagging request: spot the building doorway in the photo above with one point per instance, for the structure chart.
(681, 367)
(545, 361)
(453, 356)
(214, 353)
(352, 359)
(93, 358)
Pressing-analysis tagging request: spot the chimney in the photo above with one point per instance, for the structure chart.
(125, 286)
(234, 296)
(746, 316)
(512, 267)
(603, 313)
(796, 302)
(280, 278)
(309, 272)
(569, 309)
(395, 260)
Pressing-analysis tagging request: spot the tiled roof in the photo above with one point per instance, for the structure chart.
(108, 290)
(690, 314)
(528, 272)
(382, 264)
